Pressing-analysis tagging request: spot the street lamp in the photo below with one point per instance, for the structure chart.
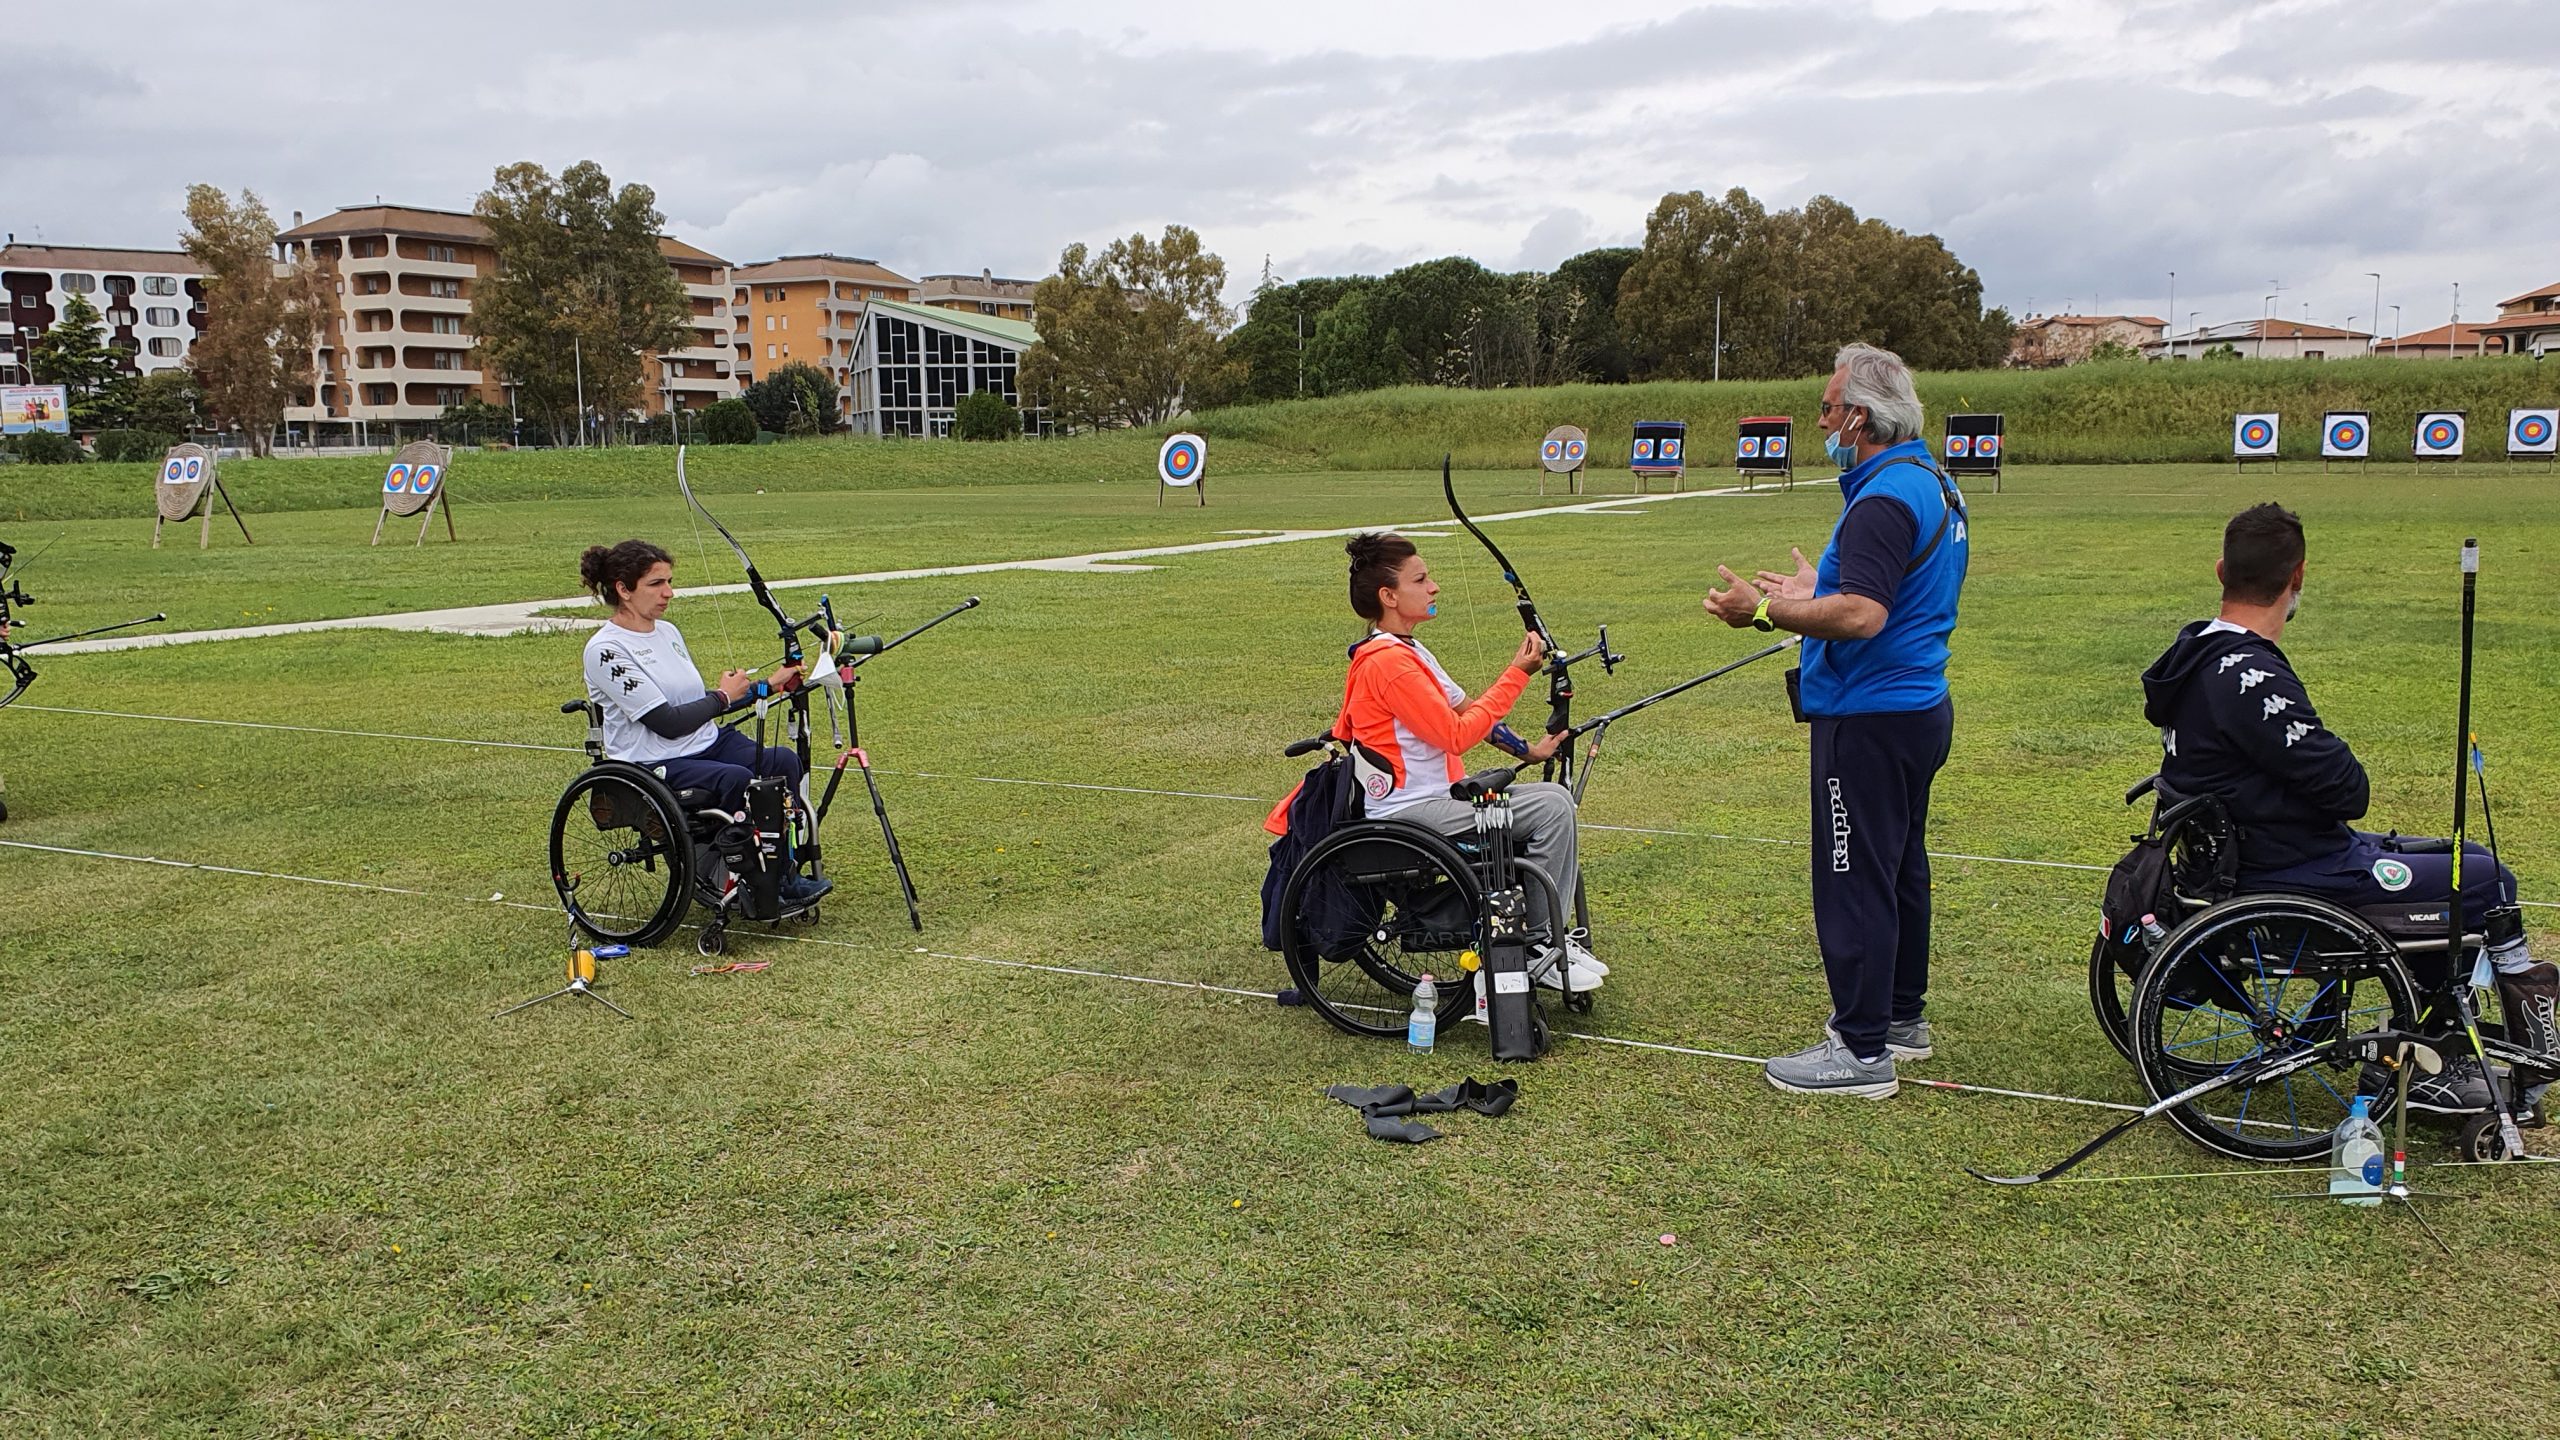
(2192, 316)
(2173, 313)
(2377, 301)
(2395, 331)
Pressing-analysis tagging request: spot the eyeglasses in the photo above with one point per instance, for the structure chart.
(1830, 405)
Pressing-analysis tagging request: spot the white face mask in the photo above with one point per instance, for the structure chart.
(2292, 605)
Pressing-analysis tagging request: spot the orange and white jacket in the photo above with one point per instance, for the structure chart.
(1398, 702)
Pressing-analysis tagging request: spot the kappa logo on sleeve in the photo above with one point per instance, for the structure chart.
(2296, 731)
(2232, 659)
(630, 685)
(2276, 705)
(2249, 679)
(1839, 830)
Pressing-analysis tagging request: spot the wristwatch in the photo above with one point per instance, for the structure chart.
(1760, 620)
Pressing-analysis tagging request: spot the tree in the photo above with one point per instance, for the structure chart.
(798, 399)
(983, 415)
(1591, 348)
(728, 422)
(74, 355)
(1353, 349)
(254, 354)
(581, 292)
(2113, 352)
(167, 400)
(1132, 335)
(1271, 343)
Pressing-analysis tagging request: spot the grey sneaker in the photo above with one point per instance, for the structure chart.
(1902, 1042)
(1828, 1069)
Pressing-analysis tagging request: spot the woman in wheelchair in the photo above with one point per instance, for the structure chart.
(1398, 702)
(657, 712)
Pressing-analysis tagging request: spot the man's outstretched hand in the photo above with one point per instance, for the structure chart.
(1734, 603)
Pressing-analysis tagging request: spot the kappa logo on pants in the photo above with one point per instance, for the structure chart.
(1839, 830)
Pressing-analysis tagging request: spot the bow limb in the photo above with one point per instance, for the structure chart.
(1559, 679)
(755, 579)
(19, 670)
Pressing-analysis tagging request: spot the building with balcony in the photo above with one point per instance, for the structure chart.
(807, 308)
(400, 349)
(2529, 324)
(911, 364)
(982, 294)
(150, 302)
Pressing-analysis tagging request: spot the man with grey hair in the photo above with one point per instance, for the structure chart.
(1876, 615)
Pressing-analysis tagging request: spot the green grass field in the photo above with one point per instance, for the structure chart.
(275, 1171)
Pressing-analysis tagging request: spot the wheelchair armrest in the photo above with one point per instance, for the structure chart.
(1308, 746)
(2418, 845)
(1484, 782)
(572, 707)
(2142, 787)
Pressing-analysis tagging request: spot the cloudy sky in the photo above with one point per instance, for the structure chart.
(2073, 151)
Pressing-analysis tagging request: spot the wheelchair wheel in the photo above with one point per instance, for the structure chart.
(2111, 997)
(621, 857)
(1367, 911)
(2258, 977)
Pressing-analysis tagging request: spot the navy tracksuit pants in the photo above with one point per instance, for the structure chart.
(1871, 779)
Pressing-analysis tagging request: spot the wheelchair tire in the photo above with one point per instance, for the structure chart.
(621, 855)
(2111, 997)
(2258, 976)
(1352, 906)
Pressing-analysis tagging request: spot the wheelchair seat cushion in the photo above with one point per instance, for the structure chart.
(2407, 922)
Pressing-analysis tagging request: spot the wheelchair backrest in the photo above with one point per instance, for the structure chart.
(2203, 846)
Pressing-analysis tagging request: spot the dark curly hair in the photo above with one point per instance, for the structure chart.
(1375, 559)
(607, 571)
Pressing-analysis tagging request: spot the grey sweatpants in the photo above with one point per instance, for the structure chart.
(1542, 835)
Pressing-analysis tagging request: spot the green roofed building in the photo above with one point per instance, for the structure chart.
(912, 364)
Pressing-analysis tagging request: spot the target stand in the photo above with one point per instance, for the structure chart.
(416, 484)
(2439, 437)
(2345, 435)
(2533, 435)
(1975, 444)
(2253, 437)
(188, 484)
(1765, 445)
(1562, 453)
(1655, 452)
(1182, 463)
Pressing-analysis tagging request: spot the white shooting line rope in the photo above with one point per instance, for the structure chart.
(1038, 784)
(1080, 972)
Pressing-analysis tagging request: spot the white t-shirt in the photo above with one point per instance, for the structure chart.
(632, 674)
(1425, 765)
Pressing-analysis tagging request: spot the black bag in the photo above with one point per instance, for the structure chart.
(1327, 799)
(2138, 886)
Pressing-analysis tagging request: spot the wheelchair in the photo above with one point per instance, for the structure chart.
(631, 854)
(1367, 906)
(2237, 978)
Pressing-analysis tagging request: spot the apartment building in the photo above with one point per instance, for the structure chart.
(400, 348)
(807, 308)
(2528, 324)
(981, 294)
(150, 302)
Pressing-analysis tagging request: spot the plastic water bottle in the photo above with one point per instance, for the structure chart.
(2152, 934)
(1423, 1026)
(2355, 1158)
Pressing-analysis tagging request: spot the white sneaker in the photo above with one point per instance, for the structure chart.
(1545, 971)
(1577, 948)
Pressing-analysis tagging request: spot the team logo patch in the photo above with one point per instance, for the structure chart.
(2391, 874)
(1380, 785)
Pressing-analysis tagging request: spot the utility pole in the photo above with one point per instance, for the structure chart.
(2377, 303)
(2171, 324)
(1718, 371)
(578, 358)
(2395, 331)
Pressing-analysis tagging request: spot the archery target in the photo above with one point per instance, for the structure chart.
(2533, 432)
(185, 473)
(2253, 437)
(1775, 448)
(1959, 446)
(1671, 451)
(1644, 447)
(2346, 436)
(2440, 435)
(1747, 448)
(1563, 449)
(416, 473)
(1181, 460)
(1987, 446)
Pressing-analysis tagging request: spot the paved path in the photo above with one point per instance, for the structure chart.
(520, 616)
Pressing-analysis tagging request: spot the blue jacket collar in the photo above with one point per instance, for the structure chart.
(1855, 478)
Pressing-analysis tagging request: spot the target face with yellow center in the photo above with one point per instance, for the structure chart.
(2533, 432)
(2346, 435)
(2440, 435)
(2253, 437)
(1564, 449)
(1181, 460)
(186, 472)
(414, 477)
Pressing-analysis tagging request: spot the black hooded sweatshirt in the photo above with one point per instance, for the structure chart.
(2235, 722)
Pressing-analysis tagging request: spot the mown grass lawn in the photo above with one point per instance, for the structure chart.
(274, 1170)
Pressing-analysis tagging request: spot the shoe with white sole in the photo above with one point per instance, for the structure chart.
(1902, 1042)
(1577, 947)
(1545, 971)
(1829, 1069)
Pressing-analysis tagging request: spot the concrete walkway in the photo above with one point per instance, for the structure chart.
(522, 616)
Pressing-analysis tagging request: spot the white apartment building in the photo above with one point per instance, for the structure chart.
(150, 302)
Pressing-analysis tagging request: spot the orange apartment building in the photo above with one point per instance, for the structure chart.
(400, 348)
(982, 293)
(806, 308)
